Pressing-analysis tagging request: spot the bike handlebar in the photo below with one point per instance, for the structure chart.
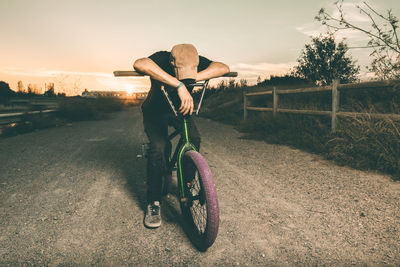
(130, 73)
(127, 73)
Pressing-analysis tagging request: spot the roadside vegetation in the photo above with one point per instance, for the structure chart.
(361, 142)
(78, 108)
(69, 109)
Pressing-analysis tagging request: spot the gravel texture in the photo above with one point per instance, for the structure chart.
(76, 194)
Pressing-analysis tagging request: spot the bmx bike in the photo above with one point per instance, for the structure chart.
(196, 189)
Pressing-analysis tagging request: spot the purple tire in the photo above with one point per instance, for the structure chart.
(200, 211)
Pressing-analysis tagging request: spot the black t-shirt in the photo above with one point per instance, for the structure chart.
(155, 101)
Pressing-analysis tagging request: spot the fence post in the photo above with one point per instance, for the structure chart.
(244, 105)
(335, 104)
(275, 99)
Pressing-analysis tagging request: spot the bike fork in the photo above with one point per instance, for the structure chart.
(185, 147)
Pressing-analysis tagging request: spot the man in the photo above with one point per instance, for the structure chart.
(176, 70)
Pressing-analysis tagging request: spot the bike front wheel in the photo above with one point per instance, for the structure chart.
(200, 206)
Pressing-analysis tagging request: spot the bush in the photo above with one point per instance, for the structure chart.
(77, 109)
(367, 143)
(30, 123)
(360, 142)
(70, 109)
(306, 132)
(5, 92)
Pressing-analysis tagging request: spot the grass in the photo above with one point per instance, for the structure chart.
(360, 142)
(77, 108)
(70, 109)
(30, 123)
(367, 143)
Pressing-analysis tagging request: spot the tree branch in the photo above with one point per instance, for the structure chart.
(349, 25)
(373, 10)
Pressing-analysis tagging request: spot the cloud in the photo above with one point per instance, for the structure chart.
(73, 82)
(18, 72)
(262, 69)
(135, 84)
(315, 30)
(52, 73)
(351, 13)
(311, 29)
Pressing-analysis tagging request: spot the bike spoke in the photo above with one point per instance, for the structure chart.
(199, 215)
(198, 209)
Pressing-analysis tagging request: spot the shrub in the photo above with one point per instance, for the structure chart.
(76, 109)
(108, 104)
(30, 123)
(367, 143)
(70, 109)
(361, 142)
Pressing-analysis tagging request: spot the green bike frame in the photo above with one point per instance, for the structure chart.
(184, 143)
(186, 146)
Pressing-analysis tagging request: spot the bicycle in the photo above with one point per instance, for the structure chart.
(196, 189)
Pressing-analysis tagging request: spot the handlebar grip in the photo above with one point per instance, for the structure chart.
(119, 73)
(231, 74)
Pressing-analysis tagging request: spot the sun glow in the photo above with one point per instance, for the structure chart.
(129, 88)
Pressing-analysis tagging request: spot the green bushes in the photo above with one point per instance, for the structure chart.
(367, 143)
(29, 123)
(301, 131)
(76, 108)
(70, 109)
(108, 104)
(361, 142)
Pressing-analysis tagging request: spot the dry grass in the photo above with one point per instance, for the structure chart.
(70, 109)
(77, 108)
(360, 142)
(367, 143)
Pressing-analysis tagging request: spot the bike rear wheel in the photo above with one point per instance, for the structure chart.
(200, 208)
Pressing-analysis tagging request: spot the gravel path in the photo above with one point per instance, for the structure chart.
(75, 195)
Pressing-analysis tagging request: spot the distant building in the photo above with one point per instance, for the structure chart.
(118, 94)
(142, 95)
(94, 94)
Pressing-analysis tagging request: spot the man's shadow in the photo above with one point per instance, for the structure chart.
(127, 157)
(123, 154)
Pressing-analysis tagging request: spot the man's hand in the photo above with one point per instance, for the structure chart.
(186, 101)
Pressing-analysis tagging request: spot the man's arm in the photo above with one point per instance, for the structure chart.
(215, 69)
(149, 67)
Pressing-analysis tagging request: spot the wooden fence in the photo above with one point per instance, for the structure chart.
(334, 113)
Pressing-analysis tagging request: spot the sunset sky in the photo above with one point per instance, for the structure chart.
(78, 44)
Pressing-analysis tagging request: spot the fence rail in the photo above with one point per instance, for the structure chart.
(17, 107)
(7, 118)
(335, 88)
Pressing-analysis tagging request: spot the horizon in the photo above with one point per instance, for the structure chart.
(77, 45)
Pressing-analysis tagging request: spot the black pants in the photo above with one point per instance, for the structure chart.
(156, 128)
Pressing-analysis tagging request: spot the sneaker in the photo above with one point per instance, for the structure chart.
(152, 218)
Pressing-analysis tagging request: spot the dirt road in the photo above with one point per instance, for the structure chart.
(75, 195)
